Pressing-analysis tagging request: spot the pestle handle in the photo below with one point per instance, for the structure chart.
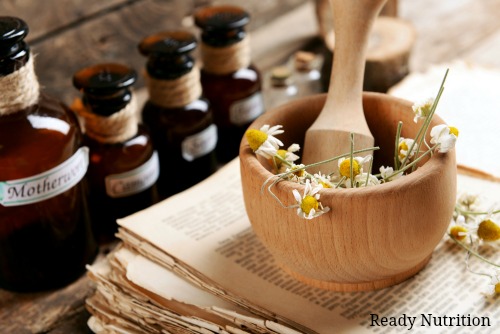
(343, 110)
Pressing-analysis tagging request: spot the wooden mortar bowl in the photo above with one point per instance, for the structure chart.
(372, 237)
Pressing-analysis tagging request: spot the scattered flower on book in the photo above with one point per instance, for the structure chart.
(478, 232)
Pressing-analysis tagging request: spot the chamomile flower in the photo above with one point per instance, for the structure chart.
(495, 281)
(357, 166)
(468, 200)
(422, 109)
(458, 231)
(444, 136)
(308, 205)
(263, 142)
(365, 180)
(488, 230)
(404, 146)
(297, 173)
(287, 155)
(323, 180)
(386, 172)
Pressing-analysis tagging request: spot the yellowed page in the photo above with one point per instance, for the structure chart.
(204, 232)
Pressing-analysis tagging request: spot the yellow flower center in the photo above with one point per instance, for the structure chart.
(299, 172)
(255, 138)
(282, 153)
(278, 162)
(453, 131)
(488, 231)
(308, 203)
(324, 184)
(457, 232)
(497, 288)
(345, 168)
(402, 147)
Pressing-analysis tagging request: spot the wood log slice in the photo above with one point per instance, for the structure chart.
(387, 59)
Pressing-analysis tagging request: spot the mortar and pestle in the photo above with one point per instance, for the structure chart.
(372, 237)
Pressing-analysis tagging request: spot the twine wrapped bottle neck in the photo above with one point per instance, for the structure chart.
(175, 93)
(227, 59)
(19, 89)
(118, 127)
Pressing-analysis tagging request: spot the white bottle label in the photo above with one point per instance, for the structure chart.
(135, 180)
(199, 144)
(246, 110)
(48, 184)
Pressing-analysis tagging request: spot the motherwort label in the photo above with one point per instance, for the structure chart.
(47, 184)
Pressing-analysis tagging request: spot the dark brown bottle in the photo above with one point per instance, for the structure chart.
(45, 234)
(180, 119)
(123, 166)
(230, 82)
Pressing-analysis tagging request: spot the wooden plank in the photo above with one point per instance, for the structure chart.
(448, 29)
(44, 17)
(47, 311)
(113, 37)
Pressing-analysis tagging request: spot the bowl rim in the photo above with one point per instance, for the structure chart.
(428, 170)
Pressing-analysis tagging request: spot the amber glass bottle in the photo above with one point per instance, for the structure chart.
(229, 80)
(45, 234)
(123, 166)
(180, 119)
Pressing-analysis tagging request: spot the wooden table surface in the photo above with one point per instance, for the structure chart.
(68, 35)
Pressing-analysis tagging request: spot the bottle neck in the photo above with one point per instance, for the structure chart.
(226, 59)
(117, 127)
(175, 93)
(19, 89)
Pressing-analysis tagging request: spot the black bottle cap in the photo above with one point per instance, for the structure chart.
(105, 86)
(168, 53)
(12, 32)
(224, 17)
(104, 79)
(14, 52)
(167, 43)
(222, 25)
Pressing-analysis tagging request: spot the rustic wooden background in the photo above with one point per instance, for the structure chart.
(71, 34)
(67, 35)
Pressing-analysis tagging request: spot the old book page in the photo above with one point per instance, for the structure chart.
(204, 235)
(153, 297)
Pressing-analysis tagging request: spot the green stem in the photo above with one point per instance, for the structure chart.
(414, 162)
(396, 146)
(433, 111)
(473, 252)
(423, 129)
(351, 173)
(466, 213)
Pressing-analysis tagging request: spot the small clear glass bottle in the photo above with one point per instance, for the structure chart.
(180, 118)
(45, 234)
(229, 80)
(307, 73)
(281, 88)
(123, 166)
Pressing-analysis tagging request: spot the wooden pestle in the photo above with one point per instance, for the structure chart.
(342, 113)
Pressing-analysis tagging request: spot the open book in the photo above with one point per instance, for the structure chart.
(192, 264)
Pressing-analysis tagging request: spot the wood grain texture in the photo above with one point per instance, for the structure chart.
(372, 237)
(46, 312)
(448, 30)
(48, 16)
